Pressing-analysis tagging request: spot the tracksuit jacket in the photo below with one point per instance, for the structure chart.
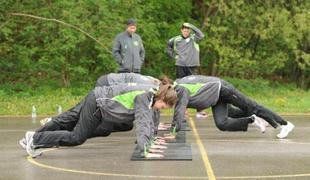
(124, 104)
(128, 52)
(195, 91)
(185, 50)
(117, 78)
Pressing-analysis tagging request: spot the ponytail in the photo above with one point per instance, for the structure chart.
(167, 94)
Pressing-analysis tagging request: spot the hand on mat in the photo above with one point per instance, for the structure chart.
(153, 155)
(154, 146)
(160, 142)
(163, 126)
(155, 151)
(169, 136)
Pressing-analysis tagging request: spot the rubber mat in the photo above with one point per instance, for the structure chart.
(174, 151)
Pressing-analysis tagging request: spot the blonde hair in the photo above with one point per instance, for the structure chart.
(167, 94)
(165, 80)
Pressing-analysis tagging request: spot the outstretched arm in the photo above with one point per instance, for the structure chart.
(198, 35)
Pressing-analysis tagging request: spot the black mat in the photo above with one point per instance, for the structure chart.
(175, 151)
(179, 138)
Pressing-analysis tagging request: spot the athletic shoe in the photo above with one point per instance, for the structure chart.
(201, 115)
(29, 144)
(285, 130)
(45, 120)
(259, 122)
(23, 143)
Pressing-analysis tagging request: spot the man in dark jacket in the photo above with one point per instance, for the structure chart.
(128, 49)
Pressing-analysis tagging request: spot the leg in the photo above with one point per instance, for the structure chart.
(89, 119)
(225, 123)
(230, 95)
(180, 72)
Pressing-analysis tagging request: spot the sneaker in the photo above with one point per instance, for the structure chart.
(45, 120)
(29, 144)
(23, 143)
(259, 122)
(201, 115)
(285, 130)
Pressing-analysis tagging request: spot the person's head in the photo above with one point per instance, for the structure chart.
(185, 31)
(165, 80)
(131, 26)
(165, 97)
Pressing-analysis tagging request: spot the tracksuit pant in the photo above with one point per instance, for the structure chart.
(239, 115)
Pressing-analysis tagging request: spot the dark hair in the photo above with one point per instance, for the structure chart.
(167, 94)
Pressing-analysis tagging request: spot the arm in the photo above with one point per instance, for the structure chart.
(170, 50)
(117, 50)
(198, 34)
(142, 51)
(180, 107)
(144, 120)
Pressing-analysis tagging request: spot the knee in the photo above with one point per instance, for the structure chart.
(78, 140)
(221, 125)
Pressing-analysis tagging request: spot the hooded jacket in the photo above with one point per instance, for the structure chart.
(132, 78)
(124, 104)
(128, 51)
(195, 91)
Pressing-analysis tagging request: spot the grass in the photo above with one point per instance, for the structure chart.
(280, 98)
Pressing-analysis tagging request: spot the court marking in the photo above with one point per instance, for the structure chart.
(203, 151)
(33, 161)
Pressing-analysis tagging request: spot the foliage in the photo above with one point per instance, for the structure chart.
(244, 38)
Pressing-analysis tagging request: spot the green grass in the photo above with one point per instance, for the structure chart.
(278, 97)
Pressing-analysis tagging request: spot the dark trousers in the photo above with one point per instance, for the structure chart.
(89, 119)
(237, 118)
(182, 71)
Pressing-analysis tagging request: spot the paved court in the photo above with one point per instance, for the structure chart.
(216, 155)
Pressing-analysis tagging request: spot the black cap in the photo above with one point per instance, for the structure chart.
(131, 22)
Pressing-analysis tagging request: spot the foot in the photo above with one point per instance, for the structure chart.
(285, 130)
(23, 143)
(45, 120)
(201, 115)
(29, 145)
(260, 123)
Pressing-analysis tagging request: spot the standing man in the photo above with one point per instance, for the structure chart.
(185, 50)
(128, 49)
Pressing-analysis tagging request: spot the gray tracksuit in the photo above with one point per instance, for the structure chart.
(133, 78)
(116, 107)
(118, 103)
(128, 52)
(201, 92)
(185, 50)
(195, 91)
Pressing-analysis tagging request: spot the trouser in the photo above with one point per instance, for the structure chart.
(129, 71)
(89, 119)
(68, 120)
(228, 119)
(182, 71)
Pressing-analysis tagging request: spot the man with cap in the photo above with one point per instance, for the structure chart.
(128, 49)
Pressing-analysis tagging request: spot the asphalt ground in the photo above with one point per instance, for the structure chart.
(216, 155)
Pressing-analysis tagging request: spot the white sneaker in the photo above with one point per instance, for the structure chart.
(201, 115)
(45, 120)
(23, 143)
(259, 122)
(285, 130)
(29, 144)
